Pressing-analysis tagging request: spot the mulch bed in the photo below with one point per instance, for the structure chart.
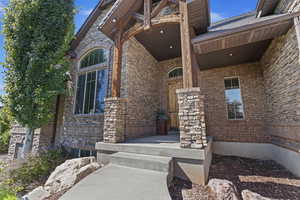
(266, 178)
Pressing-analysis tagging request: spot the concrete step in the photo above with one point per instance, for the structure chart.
(115, 182)
(155, 163)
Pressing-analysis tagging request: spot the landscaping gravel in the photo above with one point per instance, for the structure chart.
(266, 178)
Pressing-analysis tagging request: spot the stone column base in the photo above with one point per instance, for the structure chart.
(114, 120)
(191, 118)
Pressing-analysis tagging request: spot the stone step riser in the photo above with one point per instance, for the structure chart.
(140, 163)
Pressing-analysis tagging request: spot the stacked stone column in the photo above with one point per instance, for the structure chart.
(114, 120)
(191, 118)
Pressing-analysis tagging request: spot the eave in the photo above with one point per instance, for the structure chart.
(266, 7)
(123, 9)
(257, 30)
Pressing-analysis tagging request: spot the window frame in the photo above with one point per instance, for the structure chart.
(86, 70)
(173, 69)
(242, 99)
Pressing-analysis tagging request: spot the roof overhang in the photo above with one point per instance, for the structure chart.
(199, 15)
(266, 7)
(259, 29)
(121, 11)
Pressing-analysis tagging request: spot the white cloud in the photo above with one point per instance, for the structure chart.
(216, 17)
(2, 7)
(85, 12)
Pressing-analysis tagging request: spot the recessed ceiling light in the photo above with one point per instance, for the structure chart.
(114, 20)
(171, 47)
(162, 32)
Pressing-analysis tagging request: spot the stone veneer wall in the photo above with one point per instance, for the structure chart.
(252, 128)
(191, 118)
(281, 71)
(83, 131)
(141, 80)
(41, 140)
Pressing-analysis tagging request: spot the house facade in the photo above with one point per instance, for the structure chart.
(237, 80)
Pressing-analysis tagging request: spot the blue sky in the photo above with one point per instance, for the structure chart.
(220, 9)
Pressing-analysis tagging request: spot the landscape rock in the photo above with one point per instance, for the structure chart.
(69, 173)
(249, 195)
(37, 194)
(223, 189)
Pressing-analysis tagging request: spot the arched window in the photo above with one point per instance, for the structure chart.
(93, 58)
(92, 84)
(175, 73)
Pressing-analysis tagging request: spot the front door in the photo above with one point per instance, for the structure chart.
(173, 104)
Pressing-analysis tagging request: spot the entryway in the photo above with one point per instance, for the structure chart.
(174, 82)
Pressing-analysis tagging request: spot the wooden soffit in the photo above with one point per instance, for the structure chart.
(258, 29)
(121, 11)
(199, 15)
(266, 7)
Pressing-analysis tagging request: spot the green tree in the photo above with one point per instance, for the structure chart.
(5, 125)
(37, 37)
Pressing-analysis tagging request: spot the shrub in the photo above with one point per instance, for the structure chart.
(33, 172)
(6, 195)
(5, 125)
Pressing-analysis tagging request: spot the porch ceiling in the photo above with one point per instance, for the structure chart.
(162, 41)
(123, 10)
(236, 43)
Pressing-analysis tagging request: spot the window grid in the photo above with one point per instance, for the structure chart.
(89, 89)
(93, 58)
(91, 83)
(175, 73)
(234, 102)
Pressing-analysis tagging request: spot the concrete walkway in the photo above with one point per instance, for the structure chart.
(115, 182)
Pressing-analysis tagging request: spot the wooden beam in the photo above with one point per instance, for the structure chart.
(138, 17)
(188, 57)
(147, 14)
(117, 66)
(159, 7)
(139, 27)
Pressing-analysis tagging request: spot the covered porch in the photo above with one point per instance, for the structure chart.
(170, 30)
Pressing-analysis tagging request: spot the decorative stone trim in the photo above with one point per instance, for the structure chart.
(191, 118)
(114, 120)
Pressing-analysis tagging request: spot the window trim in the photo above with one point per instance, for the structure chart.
(168, 74)
(96, 68)
(242, 99)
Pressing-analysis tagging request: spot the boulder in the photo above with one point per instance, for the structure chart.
(249, 195)
(37, 194)
(69, 173)
(223, 189)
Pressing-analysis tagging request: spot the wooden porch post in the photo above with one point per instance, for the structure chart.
(189, 64)
(117, 66)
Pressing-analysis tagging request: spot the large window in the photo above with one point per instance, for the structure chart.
(93, 58)
(234, 98)
(91, 85)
